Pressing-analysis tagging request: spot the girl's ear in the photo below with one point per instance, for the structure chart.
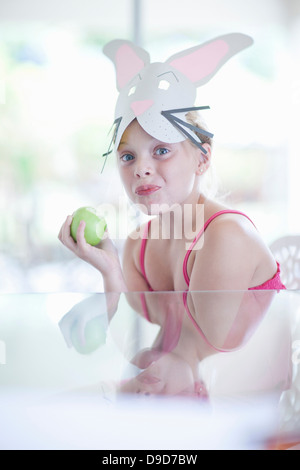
(128, 59)
(201, 63)
(204, 159)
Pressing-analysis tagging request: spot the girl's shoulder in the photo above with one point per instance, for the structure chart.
(232, 229)
(135, 239)
(135, 236)
(230, 255)
(228, 232)
(226, 218)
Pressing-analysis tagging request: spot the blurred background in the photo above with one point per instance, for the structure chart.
(57, 97)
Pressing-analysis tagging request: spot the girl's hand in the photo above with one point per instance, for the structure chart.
(103, 257)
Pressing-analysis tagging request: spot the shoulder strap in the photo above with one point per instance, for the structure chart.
(200, 233)
(142, 251)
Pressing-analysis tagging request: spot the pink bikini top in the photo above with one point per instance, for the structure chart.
(272, 284)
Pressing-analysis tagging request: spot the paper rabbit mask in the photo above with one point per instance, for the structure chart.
(159, 94)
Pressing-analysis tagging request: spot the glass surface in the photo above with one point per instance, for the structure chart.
(170, 370)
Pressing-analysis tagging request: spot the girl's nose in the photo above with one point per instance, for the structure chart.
(143, 171)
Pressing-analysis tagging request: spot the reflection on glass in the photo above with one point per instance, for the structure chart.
(186, 344)
(84, 327)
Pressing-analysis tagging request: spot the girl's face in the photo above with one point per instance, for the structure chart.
(158, 175)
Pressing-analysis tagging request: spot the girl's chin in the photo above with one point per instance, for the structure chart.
(149, 209)
(157, 209)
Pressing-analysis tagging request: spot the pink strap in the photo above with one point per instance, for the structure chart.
(184, 297)
(186, 258)
(144, 306)
(142, 253)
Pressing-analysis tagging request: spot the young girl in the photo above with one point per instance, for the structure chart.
(162, 160)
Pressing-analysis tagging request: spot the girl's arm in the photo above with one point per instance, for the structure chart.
(223, 270)
(104, 257)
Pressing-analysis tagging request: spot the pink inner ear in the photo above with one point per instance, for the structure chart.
(202, 62)
(128, 64)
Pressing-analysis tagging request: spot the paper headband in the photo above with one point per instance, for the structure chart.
(159, 94)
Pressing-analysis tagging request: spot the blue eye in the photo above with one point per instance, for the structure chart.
(161, 151)
(127, 157)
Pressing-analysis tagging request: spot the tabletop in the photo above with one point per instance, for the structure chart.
(150, 370)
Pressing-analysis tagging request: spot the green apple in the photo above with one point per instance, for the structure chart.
(95, 225)
(94, 336)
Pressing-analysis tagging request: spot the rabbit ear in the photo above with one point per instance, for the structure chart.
(128, 59)
(201, 63)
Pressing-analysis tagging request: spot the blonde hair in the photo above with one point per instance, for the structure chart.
(209, 183)
(195, 118)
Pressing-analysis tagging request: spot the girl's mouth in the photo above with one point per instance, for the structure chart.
(146, 189)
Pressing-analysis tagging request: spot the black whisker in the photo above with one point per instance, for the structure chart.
(190, 126)
(176, 124)
(180, 124)
(185, 110)
(116, 123)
